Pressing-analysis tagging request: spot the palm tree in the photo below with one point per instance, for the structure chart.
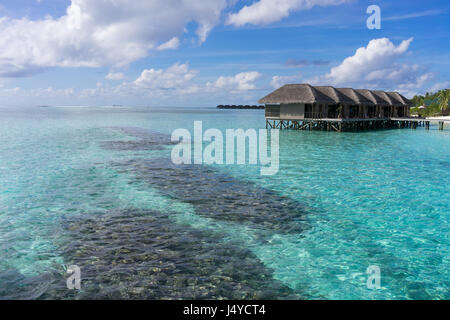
(444, 97)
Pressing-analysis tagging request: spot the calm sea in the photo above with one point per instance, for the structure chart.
(95, 187)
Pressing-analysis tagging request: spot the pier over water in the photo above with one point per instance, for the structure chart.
(240, 107)
(306, 107)
(341, 125)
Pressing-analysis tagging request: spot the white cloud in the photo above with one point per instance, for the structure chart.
(115, 76)
(37, 92)
(50, 91)
(174, 85)
(377, 66)
(279, 81)
(439, 86)
(177, 76)
(191, 89)
(414, 81)
(8, 92)
(170, 45)
(268, 11)
(100, 33)
(180, 78)
(241, 82)
(369, 63)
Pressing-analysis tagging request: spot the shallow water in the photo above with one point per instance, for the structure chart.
(95, 187)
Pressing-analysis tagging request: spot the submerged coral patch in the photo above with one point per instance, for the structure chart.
(136, 254)
(220, 196)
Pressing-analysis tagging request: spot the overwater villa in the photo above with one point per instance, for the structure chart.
(302, 106)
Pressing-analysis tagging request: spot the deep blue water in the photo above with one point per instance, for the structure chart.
(95, 187)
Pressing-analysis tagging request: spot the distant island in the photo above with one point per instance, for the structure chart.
(239, 107)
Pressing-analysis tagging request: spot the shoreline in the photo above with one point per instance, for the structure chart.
(439, 118)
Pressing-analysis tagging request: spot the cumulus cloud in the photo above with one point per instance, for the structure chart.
(99, 33)
(279, 81)
(369, 63)
(115, 76)
(176, 84)
(175, 77)
(377, 66)
(240, 82)
(268, 11)
(175, 81)
(179, 77)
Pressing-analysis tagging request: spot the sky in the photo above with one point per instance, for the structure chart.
(204, 53)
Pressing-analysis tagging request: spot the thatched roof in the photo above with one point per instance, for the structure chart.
(383, 96)
(396, 100)
(397, 96)
(297, 93)
(356, 96)
(337, 96)
(305, 93)
(370, 96)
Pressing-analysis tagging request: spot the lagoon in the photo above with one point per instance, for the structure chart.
(95, 187)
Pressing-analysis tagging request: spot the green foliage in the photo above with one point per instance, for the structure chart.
(418, 101)
(444, 96)
(439, 103)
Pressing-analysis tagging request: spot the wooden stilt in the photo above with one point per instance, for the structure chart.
(350, 124)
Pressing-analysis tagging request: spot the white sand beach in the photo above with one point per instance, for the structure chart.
(439, 118)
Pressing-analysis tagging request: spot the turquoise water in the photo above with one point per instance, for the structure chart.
(95, 187)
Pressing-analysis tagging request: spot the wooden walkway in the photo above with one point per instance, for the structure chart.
(355, 124)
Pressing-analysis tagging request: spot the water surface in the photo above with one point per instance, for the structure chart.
(95, 187)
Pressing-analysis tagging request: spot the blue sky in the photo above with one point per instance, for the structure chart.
(195, 53)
